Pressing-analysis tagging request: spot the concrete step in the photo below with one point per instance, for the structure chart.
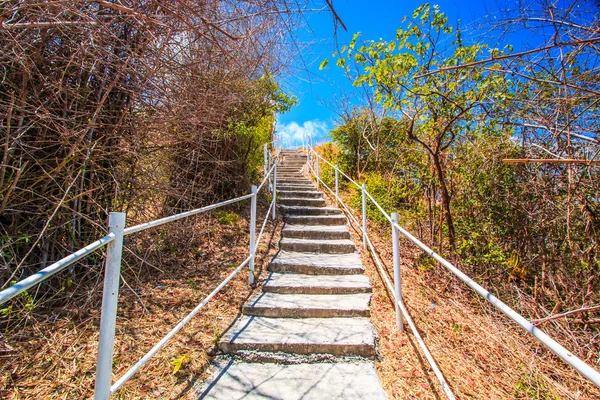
(294, 181)
(335, 246)
(302, 210)
(291, 262)
(337, 336)
(313, 194)
(276, 305)
(325, 232)
(251, 381)
(315, 219)
(291, 186)
(290, 168)
(316, 284)
(290, 175)
(302, 201)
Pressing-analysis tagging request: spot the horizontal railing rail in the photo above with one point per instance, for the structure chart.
(172, 218)
(394, 290)
(114, 243)
(585, 369)
(125, 377)
(53, 269)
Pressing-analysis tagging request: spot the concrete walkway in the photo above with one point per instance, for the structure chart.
(307, 334)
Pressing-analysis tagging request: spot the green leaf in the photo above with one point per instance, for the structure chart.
(323, 64)
(6, 311)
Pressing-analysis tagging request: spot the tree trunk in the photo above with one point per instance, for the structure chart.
(430, 203)
(445, 199)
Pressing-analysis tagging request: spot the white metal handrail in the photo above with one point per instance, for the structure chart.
(114, 243)
(264, 224)
(162, 221)
(58, 266)
(337, 198)
(583, 368)
(394, 290)
(125, 377)
(400, 305)
(268, 174)
(105, 391)
(350, 179)
(375, 203)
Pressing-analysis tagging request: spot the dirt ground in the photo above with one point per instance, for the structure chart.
(51, 353)
(481, 353)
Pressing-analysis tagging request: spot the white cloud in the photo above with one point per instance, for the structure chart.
(295, 135)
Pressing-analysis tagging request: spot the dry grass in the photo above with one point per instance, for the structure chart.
(53, 355)
(481, 353)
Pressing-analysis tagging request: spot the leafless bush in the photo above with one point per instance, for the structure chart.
(140, 106)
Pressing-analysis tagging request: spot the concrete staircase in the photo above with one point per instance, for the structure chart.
(307, 334)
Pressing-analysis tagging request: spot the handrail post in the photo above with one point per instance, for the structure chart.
(252, 234)
(397, 277)
(265, 167)
(274, 189)
(110, 297)
(268, 169)
(364, 215)
(337, 191)
(317, 171)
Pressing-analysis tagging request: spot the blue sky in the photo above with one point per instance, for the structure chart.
(318, 91)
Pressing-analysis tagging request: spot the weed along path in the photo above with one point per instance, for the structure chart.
(307, 333)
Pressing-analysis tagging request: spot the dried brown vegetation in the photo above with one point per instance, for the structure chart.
(481, 353)
(143, 107)
(53, 355)
(148, 107)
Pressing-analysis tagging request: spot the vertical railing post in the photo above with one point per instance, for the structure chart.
(397, 277)
(265, 167)
(108, 315)
(268, 169)
(337, 191)
(274, 190)
(252, 234)
(317, 170)
(364, 215)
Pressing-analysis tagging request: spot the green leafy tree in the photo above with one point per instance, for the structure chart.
(370, 139)
(439, 108)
